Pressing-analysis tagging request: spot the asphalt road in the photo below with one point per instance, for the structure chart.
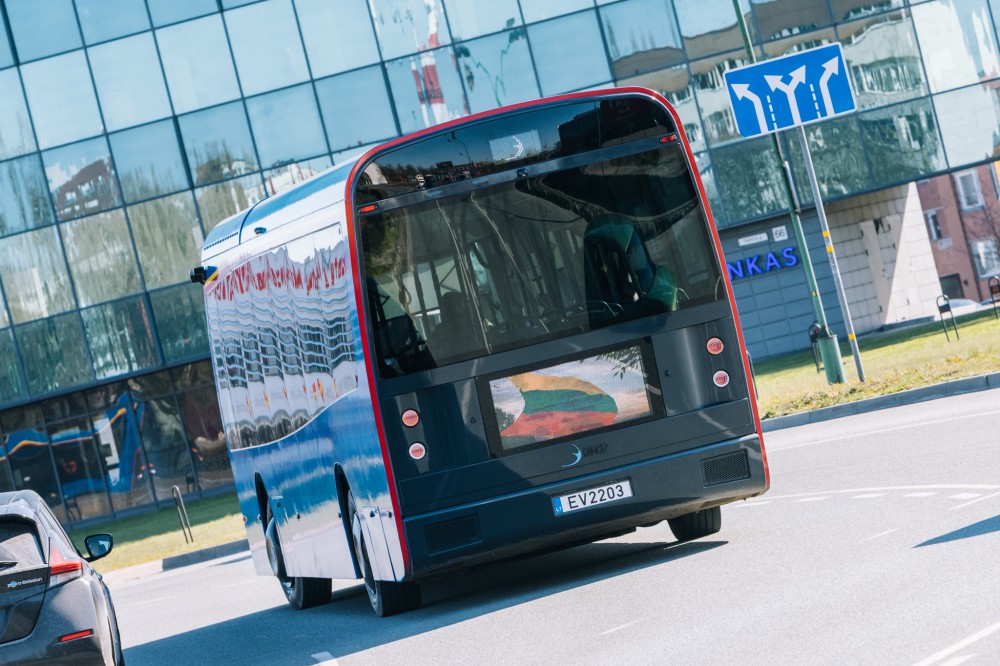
(878, 543)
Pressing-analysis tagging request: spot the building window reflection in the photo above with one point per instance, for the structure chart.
(218, 143)
(82, 179)
(16, 135)
(24, 195)
(642, 36)
(48, 84)
(409, 26)
(42, 29)
(54, 354)
(562, 65)
(100, 257)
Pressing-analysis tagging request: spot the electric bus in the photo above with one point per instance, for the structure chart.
(498, 336)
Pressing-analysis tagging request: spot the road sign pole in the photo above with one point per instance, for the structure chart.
(829, 350)
(830, 253)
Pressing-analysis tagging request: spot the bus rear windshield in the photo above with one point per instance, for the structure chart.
(533, 259)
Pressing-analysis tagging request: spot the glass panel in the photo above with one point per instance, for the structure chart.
(16, 137)
(102, 20)
(11, 383)
(641, 36)
(180, 321)
(116, 434)
(43, 27)
(883, 58)
(82, 179)
(286, 126)
(409, 26)
(34, 275)
(198, 64)
(562, 65)
(64, 407)
(217, 202)
(193, 374)
(168, 238)
(851, 9)
(151, 386)
(749, 179)
(782, 18)
(100, 257)
(6, 56)
(165, 443)
(958, 42)
(149, 162)
(236, 3)
(129, 81)
(497, 70)
(205, 439)
(54, 354)
(24, 195)
(522, 257)
(48, 84)
(709, 26)
(472, 18)
(172, 11)
(707, 173)
(286, 177)
(218, 143)
(838, 156)
(676, 85)
(426, 90)
(902, 142)
(713, 99)
(539, 11)
(266, 46)
(350, 21)
(970, 124)
(79, 467)
(338, 100)
(799, 42)
(121, 337)
(27, 447)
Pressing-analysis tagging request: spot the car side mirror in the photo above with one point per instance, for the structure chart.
(98, 545)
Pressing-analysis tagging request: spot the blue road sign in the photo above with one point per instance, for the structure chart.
(793, 90)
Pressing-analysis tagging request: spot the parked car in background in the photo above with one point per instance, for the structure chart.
(54, 608)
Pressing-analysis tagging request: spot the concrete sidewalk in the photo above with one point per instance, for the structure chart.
(943, 390)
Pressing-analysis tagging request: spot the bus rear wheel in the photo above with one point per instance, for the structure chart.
(300, 592)
(386, 597)
(696, 525)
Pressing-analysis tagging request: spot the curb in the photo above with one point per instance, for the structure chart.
(912, 396)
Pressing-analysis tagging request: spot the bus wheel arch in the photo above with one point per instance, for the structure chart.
(343, 496)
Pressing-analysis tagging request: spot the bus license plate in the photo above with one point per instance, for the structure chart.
(584, 499)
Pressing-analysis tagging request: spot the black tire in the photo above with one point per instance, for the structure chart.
(696, 525)
(300, 592)
(386, 597)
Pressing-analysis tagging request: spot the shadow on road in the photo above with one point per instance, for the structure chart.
(976, 529)
(348, 625)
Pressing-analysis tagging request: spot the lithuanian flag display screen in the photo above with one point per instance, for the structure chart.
(579, 396)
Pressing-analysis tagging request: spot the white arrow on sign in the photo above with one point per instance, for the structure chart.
(742, 91)
(830, 67)
(798, 76)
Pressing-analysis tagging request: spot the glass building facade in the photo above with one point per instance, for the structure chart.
(129, 128)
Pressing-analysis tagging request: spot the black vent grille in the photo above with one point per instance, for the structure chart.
(725, 469)
(452, 534)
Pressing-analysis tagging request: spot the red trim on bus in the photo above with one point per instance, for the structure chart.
(466, 120)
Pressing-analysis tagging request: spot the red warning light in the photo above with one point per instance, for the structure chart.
(721, 379)
(714, 346)
(410, 418)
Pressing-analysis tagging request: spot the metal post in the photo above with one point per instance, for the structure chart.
(182, 515)
(830, 254)
(828, 348)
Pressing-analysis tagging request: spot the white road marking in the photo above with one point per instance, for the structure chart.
(752, 503)
(985, 497)
(920, 495)
(624, 626)
(869, 433)
(962, 496)
(959, 660)
(886, 489)
(961, 645)
(880, 534)
(151, 601)
(324, 659)
(868, 495)
(813, 499)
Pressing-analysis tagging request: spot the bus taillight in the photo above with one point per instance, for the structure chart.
(410, 418)
(714, 346)
(418, 451)
(721, 379)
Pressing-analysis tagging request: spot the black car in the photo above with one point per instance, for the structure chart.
(54, 608)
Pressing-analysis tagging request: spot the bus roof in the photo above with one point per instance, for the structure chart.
(322, 190)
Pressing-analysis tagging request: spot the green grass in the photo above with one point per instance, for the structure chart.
(893, 361)
(153, 536)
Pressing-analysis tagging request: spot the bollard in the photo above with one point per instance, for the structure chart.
(834, 372)
(944, 308)
(182, 515)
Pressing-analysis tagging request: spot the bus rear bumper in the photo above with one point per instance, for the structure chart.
(526, 522)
